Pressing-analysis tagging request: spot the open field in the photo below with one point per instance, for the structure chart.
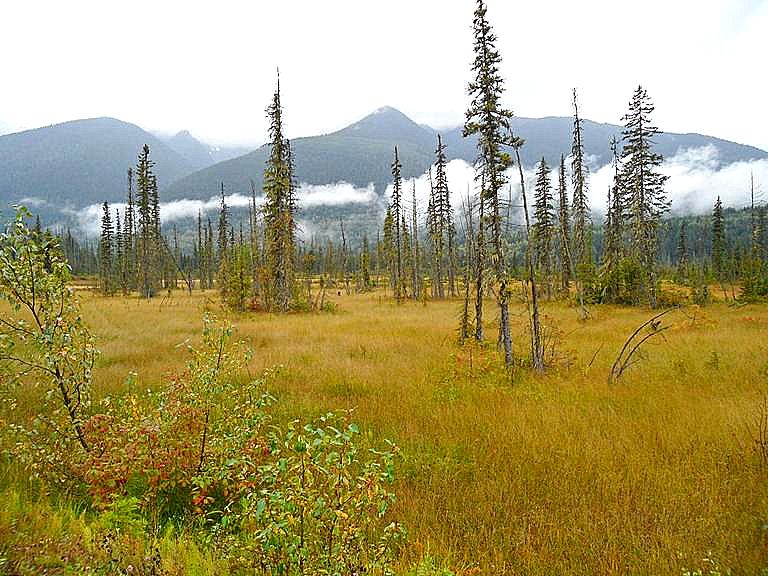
(560, 474)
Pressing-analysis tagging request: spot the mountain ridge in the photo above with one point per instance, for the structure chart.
(367, 149)
(83, 162)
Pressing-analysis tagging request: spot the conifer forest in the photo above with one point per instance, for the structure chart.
(497, 376)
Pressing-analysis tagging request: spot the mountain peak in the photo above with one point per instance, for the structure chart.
(386, 110)
(390, 124)
(184, 134)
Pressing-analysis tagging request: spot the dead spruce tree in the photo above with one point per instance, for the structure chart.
(489, 120)
(279, 211)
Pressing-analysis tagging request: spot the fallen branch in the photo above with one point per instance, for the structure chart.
(624, 359)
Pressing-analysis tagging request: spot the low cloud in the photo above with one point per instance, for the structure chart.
(338, 194)
(310, 195)
(696, 178)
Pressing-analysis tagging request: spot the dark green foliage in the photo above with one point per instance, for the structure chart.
(543, 228)
(719, 247)
(148, 242)
(564, 226)
(582, 222)
(643, 185)
(395, 211)
(487, 118)
(106, 252)
(279, 212)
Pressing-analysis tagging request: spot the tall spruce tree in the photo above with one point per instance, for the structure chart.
(279, 207)
(389, 250)
(613, 232)
(416, 256)
(148, 241)
(647, 200)
(543, 229)
(223, 244)
(719, 250)
(582, 239)
(117, 267)
(564, 226)
(396, 206)
(128, 264)
(682, 251)
(106, 255)
(487, 118)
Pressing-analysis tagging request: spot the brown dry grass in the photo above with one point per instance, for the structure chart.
(554, 475)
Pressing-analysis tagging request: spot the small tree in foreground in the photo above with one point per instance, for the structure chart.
(44, 336)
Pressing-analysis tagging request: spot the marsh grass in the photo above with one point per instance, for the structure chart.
(561, 474)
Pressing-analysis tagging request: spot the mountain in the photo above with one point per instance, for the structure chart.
(361, 153)
(201, 155)
(551, 136)
(79, 163)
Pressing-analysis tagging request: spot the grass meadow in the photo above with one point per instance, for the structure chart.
(554, 474)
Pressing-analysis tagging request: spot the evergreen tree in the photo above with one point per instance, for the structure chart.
(106, 244)
(407, 254)
(117, 267)
(613, 233)
(209, 254)
(581, 212)
(279, 210)
(415, 271)
(439, 213)
(718, 251)
(390, 252)
(682, 251)
(564, 225)
(365, 262)
(147, 237)
(396, 207)
(129, 265)
(543, 229)
(200, 252)
(223, 245)
(489, 120)
(647, 201)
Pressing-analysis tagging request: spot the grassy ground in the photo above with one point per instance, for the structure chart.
(560, 474)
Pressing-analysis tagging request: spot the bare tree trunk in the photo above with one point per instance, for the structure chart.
(416, 273)
(469, 235)
(479, 265)
(537, 352)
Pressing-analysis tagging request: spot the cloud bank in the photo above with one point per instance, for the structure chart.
(696, 178)
(310, 196)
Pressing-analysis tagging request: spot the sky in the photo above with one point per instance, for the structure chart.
(211, 67)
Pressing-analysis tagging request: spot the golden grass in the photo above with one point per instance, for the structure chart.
(560, 474)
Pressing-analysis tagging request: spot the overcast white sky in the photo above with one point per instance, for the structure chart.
(210, 66)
